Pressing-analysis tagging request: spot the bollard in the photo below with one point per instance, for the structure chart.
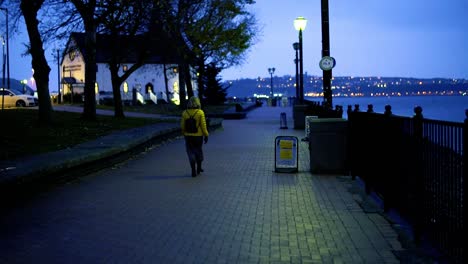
(283, 121)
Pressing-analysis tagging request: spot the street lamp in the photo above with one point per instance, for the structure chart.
(271, 71)
(300, 24)
(296, 61)
(7, 52)
(327, 74)
(3, 70)
(59, 89)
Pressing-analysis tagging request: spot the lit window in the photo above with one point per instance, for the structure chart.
(125, 87)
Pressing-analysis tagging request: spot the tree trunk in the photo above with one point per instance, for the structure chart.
(182, 93)
(188, 80)
(39, 62)
(200, 81)
(116, 82)
(166, 84)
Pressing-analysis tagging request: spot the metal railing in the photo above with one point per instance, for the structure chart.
(416, 166)
(318, 109)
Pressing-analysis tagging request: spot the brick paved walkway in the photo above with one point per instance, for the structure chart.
(149, 209)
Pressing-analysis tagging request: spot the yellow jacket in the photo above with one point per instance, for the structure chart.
(199, 116)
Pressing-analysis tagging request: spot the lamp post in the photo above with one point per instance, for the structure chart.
(7, 47)
(327, 75)
(59, 89)
(271, 71)
(300, 24)
(7, 54)
(3, 71)
(296, 61)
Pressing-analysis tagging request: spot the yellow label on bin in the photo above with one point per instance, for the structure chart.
(286, 144)
(286, 154)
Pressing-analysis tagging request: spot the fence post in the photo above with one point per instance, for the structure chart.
(361, 153)
(418, 183)
(387, 156)
(388, 110)
(356, 108)
(465, 176)
(339, 111)
(351, 139)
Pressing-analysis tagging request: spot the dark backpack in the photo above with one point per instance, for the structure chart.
(191, 123)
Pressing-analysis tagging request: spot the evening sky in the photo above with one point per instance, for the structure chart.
(387, 38)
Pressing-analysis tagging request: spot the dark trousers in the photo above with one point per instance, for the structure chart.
(193, 146)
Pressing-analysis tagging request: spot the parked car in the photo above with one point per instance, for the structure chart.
(12, 98)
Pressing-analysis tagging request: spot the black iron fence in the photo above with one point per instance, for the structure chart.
(318, 109)
(416, 166)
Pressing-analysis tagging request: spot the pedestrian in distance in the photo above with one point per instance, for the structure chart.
(193, 125)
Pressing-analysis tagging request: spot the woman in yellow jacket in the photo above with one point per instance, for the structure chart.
(194, 140)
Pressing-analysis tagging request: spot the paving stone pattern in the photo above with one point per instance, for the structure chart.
(149, 209)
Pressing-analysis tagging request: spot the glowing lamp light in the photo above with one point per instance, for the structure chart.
(300, 23)
(125, 87)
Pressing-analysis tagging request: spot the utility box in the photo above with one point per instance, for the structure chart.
(328, 140)
(299, 116)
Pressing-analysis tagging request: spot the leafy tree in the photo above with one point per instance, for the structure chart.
(205, 31)
(118, 19)
(215, 93)
(219, 32)
(40, 31)
(91, 19)
(141, 29)
(208, 31)
(127, 29)
(174, 27)
(30, 9)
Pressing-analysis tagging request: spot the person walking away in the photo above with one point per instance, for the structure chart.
(193, 125)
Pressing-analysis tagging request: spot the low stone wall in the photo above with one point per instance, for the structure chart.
(239, 111)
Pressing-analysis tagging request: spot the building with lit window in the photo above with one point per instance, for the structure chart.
(149, 80)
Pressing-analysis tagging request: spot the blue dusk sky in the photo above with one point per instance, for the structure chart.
(386, 38)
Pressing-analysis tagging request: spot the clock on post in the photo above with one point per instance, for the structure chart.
(327, 63)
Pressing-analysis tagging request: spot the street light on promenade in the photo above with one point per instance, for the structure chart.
(296, 62)
(300, 24)
(7, 51)
(59, 89)
(3, 69)
(327, 74)
(271, 71)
